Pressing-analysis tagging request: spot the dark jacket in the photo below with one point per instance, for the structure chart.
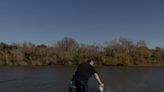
(84, 72)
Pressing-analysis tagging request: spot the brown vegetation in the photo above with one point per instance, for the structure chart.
(119, 52)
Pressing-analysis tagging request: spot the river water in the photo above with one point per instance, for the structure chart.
(56, 79)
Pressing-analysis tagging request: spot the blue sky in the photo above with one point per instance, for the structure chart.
(87, 21)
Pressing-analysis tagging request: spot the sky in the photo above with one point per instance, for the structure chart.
(86, 21)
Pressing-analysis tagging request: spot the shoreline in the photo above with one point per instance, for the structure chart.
(58, 65)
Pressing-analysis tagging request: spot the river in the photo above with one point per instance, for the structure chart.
(56, 79)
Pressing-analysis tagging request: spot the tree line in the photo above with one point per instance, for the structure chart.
(117, 52)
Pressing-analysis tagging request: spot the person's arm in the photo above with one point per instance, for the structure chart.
(75, 73)
(98, 79)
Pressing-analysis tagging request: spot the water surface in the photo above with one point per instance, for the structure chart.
(56, 79)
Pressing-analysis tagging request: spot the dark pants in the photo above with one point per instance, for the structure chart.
(81, 86)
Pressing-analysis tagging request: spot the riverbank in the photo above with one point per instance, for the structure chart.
(74, 65)
(120, 52)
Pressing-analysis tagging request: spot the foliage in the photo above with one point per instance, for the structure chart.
(119, 52)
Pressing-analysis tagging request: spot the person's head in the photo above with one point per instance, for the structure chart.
(91, 61)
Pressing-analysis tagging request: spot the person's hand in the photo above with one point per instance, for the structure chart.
(101, 87)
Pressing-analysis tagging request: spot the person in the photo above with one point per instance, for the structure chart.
(82, 75)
